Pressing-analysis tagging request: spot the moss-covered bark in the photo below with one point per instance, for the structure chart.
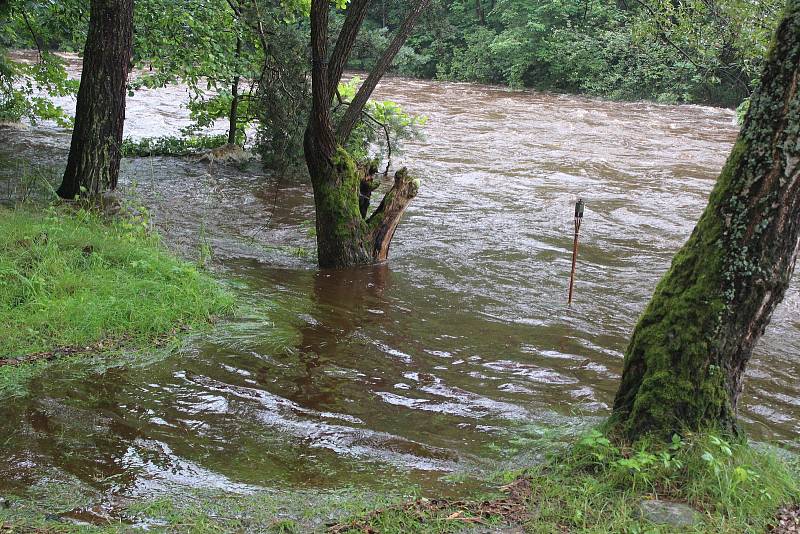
(341, 230)
(344, 236)
(684, 366)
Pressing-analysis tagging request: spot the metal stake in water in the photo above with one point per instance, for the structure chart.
(578, 218)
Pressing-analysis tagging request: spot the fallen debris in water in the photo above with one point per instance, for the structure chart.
(229, 153)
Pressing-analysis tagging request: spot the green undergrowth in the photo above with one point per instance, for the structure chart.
(596, 486)
(72, 279)
(171, 146)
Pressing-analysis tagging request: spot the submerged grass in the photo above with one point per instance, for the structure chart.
(70, 279)
(588, 485)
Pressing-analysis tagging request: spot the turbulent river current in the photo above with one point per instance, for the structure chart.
(444, 360)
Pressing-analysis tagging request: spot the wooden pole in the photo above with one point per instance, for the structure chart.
(578, 219)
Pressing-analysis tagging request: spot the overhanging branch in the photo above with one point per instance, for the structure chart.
(365, 91)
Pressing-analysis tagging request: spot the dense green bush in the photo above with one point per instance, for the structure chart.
(700, 51)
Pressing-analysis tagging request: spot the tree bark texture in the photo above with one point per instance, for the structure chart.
(233, 115)
(94, 154)
(346, 236)
(684, 367)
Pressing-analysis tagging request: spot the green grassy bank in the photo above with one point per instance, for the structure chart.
(71, 282)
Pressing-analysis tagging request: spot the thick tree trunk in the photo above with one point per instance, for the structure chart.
(684, 366)
(94, 154)
(345, 237)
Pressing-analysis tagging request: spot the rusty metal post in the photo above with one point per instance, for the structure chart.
(578, 219)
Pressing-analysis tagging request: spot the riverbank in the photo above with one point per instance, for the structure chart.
(699, 483)
(73, 284)
(693, 484)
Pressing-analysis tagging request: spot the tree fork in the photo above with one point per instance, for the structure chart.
(684, 366)
(344, 237)
(353, 111)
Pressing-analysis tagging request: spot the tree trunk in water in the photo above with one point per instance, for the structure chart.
(345, 237)
(94, 153)
(684, 366)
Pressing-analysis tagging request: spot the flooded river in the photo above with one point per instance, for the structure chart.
(437, 362)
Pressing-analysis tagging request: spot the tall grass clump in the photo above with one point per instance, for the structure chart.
(596, 485)
(71, 279)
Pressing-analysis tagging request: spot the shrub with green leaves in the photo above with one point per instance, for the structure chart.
(383, 127)
(171, 146)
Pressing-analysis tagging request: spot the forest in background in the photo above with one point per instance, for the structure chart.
(669, 51)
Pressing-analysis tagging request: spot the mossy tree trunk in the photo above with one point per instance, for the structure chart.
(94, 154)
(345, 237)
(684, 366)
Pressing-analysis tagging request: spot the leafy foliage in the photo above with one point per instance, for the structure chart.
(596, 484)
(690, 51)
(26, 87)
(382, 129)
(170, 146)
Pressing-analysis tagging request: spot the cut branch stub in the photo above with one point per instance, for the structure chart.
(383, 222)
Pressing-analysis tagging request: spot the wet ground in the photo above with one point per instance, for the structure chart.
(437, 362)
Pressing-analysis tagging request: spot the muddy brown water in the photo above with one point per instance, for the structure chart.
(440, 361)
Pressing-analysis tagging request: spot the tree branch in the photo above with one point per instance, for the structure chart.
(388, 140)
(36, 39)
(320, 121)
(365, 91)
(356, 12)
(383, 125)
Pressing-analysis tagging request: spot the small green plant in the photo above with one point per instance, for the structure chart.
(595, 484)
(741, 111)
(309, 225)
(171, 146)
